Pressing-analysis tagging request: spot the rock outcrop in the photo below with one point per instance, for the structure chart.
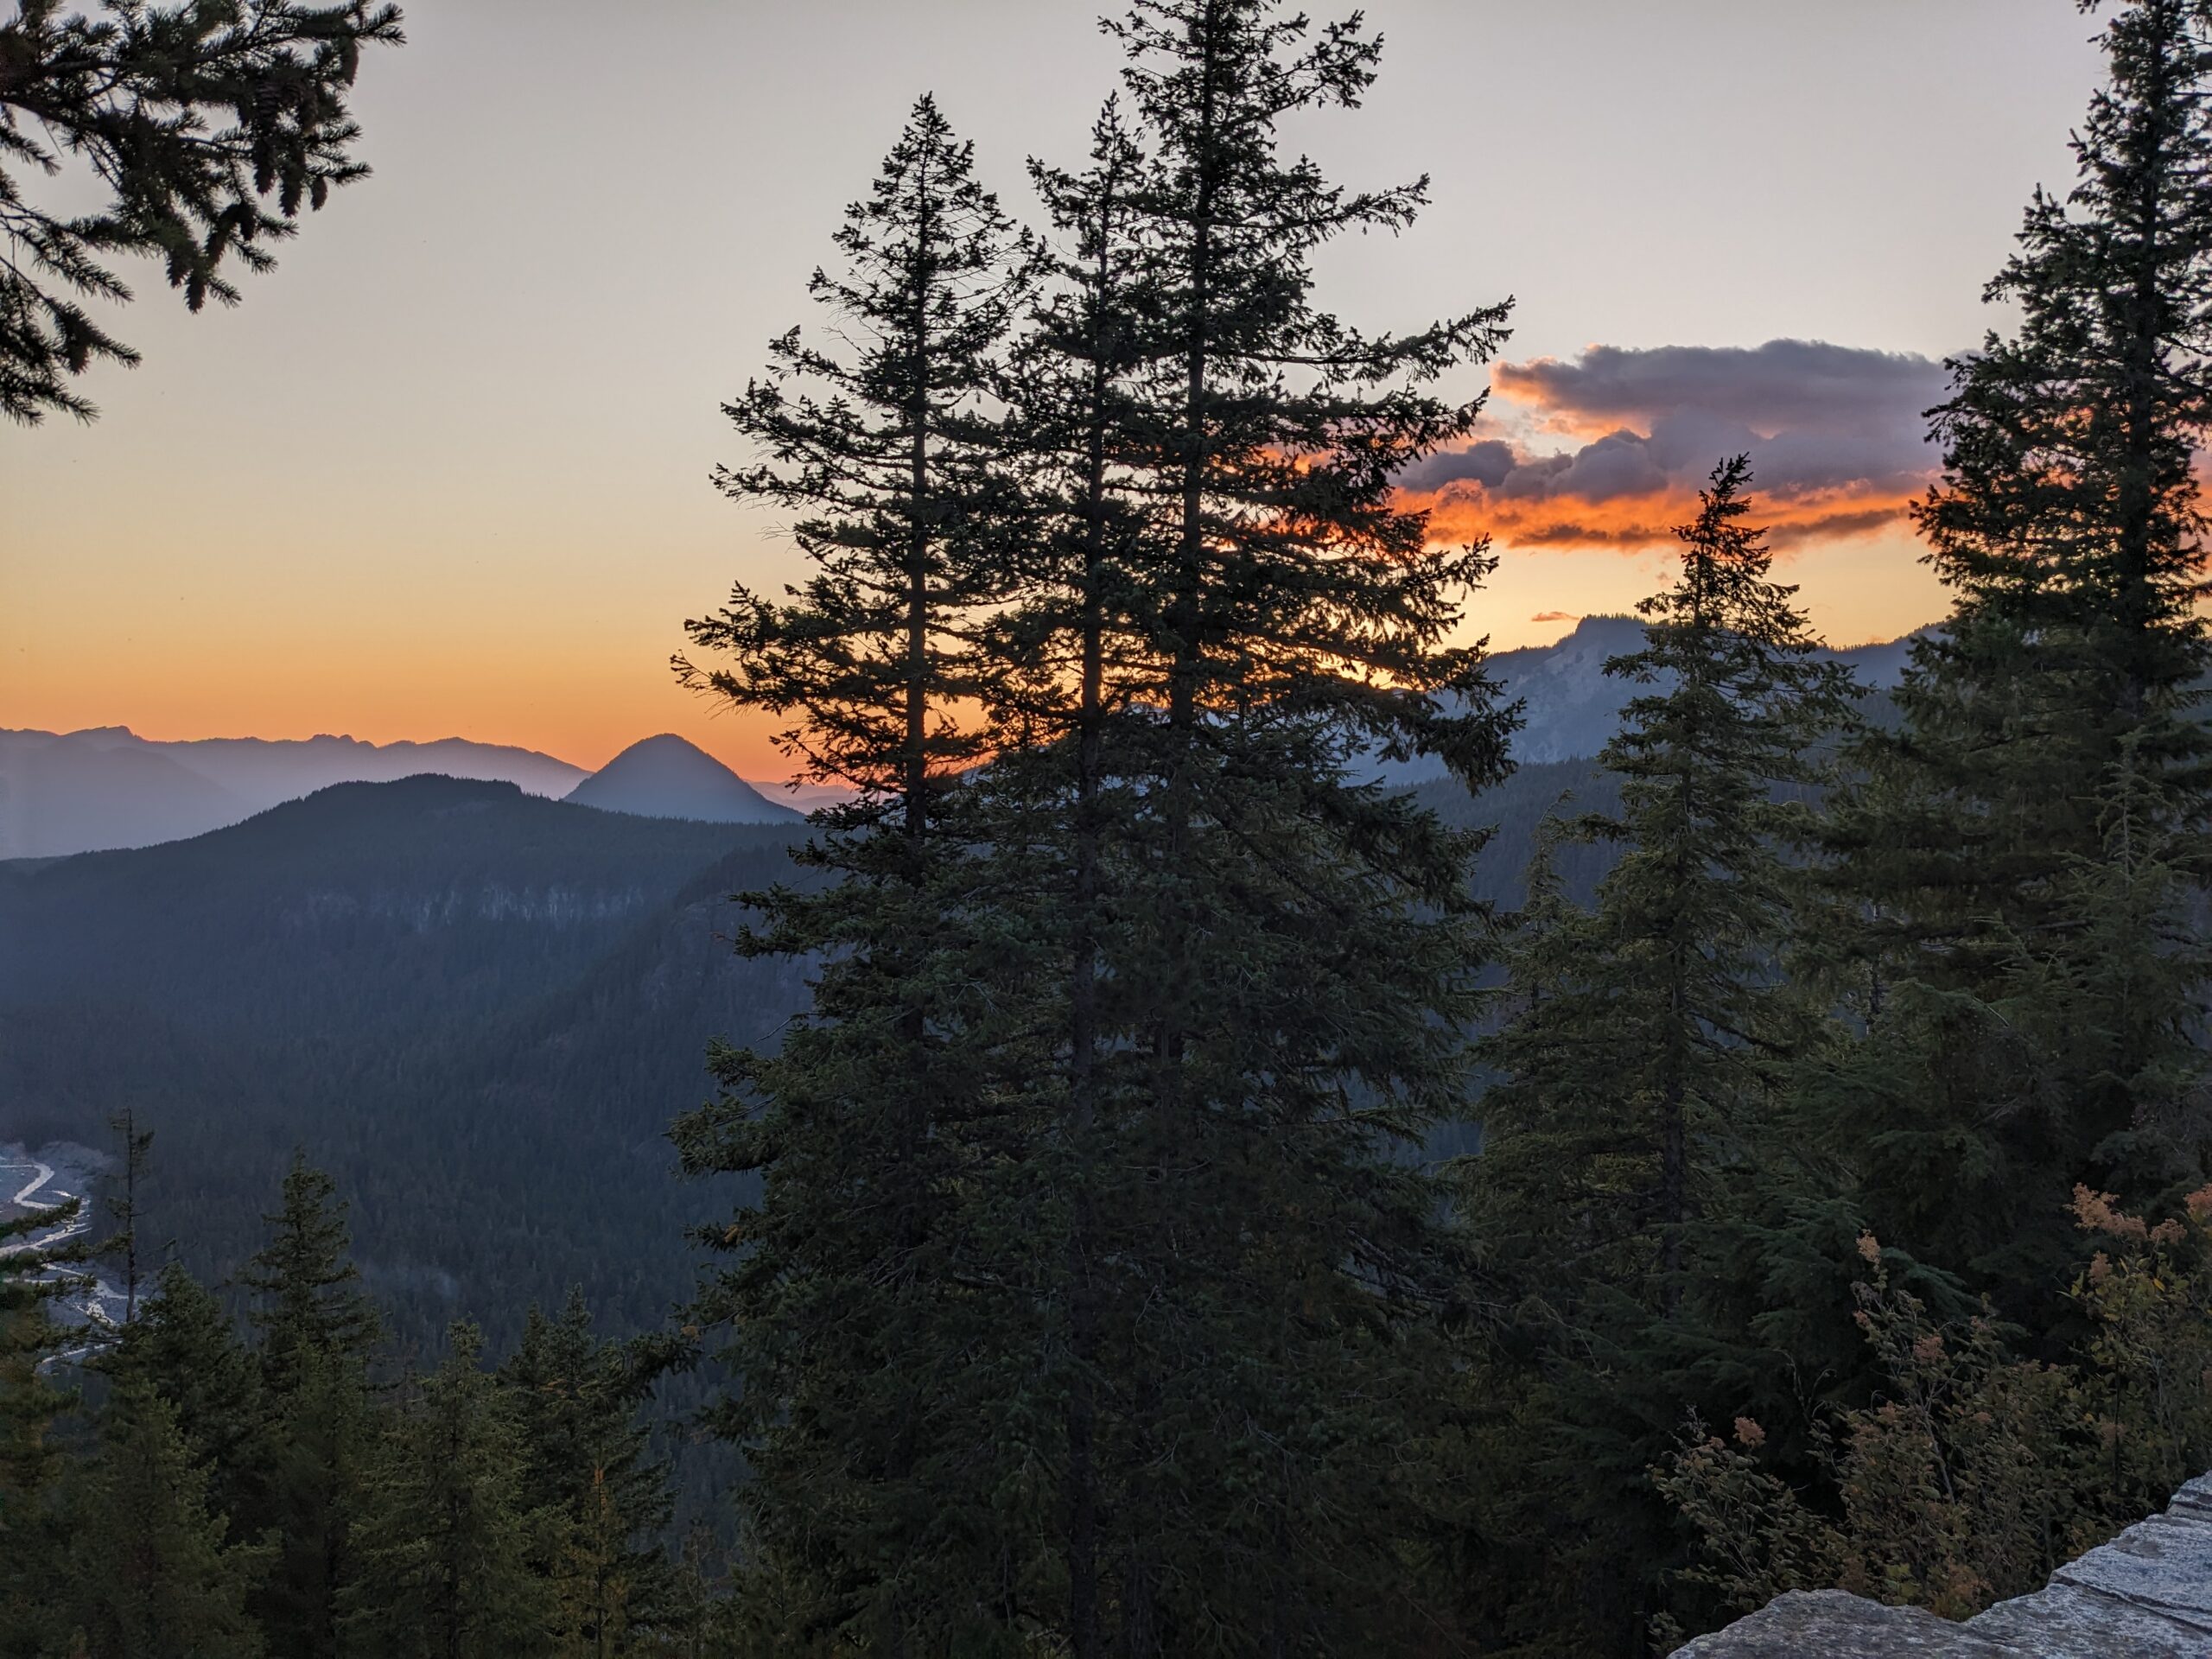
(2145, 1595)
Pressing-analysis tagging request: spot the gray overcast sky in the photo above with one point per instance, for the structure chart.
(446, 469)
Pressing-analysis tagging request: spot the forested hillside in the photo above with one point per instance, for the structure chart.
(476, 1008)
(442, 990)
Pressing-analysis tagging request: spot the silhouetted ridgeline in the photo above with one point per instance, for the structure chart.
(1570, 705)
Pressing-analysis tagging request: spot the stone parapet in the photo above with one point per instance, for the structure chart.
(2145, 1595)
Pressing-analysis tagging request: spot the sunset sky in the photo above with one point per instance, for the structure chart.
(446, 471)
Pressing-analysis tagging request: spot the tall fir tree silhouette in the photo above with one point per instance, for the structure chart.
(1294, 955)
(838, 1309)
(154, 1569)
(317, 1330)
(587, 1469)
(33, 1540)
(1642, 1071)
(444, 1537)
(2066, 525)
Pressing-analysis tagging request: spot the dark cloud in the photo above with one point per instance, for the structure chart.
(1618, 464)
(1783, 384)
(1485, 463)
(1836, 437)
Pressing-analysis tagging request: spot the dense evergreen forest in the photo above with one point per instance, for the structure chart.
(474, 1008)
(1202, 1207)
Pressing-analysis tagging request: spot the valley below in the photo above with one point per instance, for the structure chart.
(35, 1182)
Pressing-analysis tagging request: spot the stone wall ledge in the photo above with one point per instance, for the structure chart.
(2145, 1595)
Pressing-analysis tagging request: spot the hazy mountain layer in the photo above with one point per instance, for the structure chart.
(478, 1008)
(664, 777)
(107, 787)
(1570, 706)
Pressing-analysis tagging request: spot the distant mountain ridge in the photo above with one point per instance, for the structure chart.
(106, 787)
(1572, 706)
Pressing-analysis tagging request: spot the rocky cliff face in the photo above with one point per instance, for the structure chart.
(2145, 1595)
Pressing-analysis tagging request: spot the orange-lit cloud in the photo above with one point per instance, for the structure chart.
(1836, 437)
(1634, 522)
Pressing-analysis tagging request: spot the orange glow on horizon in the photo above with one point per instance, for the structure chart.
(409, 620)
(582, 684)
(584, 708)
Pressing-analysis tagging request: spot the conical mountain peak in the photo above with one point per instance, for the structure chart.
(667, 776)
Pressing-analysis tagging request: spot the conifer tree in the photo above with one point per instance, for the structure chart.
(194, 117)
(32, 1541)
(154, 1574)
(1234, 1254)
(30, 1278)
(183, 1347)
(317, 1330)
(1276, 958)
(1067, 647)
(586, 1466)
(308, 1301)
(2117, 983)
(2098, 1011)
(126, 1206)
(1654, 1024)
(1640, 1074)
(884, 454)
(2066, 525)
(698, 1613)
(838, 1310)
(445, 1538)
